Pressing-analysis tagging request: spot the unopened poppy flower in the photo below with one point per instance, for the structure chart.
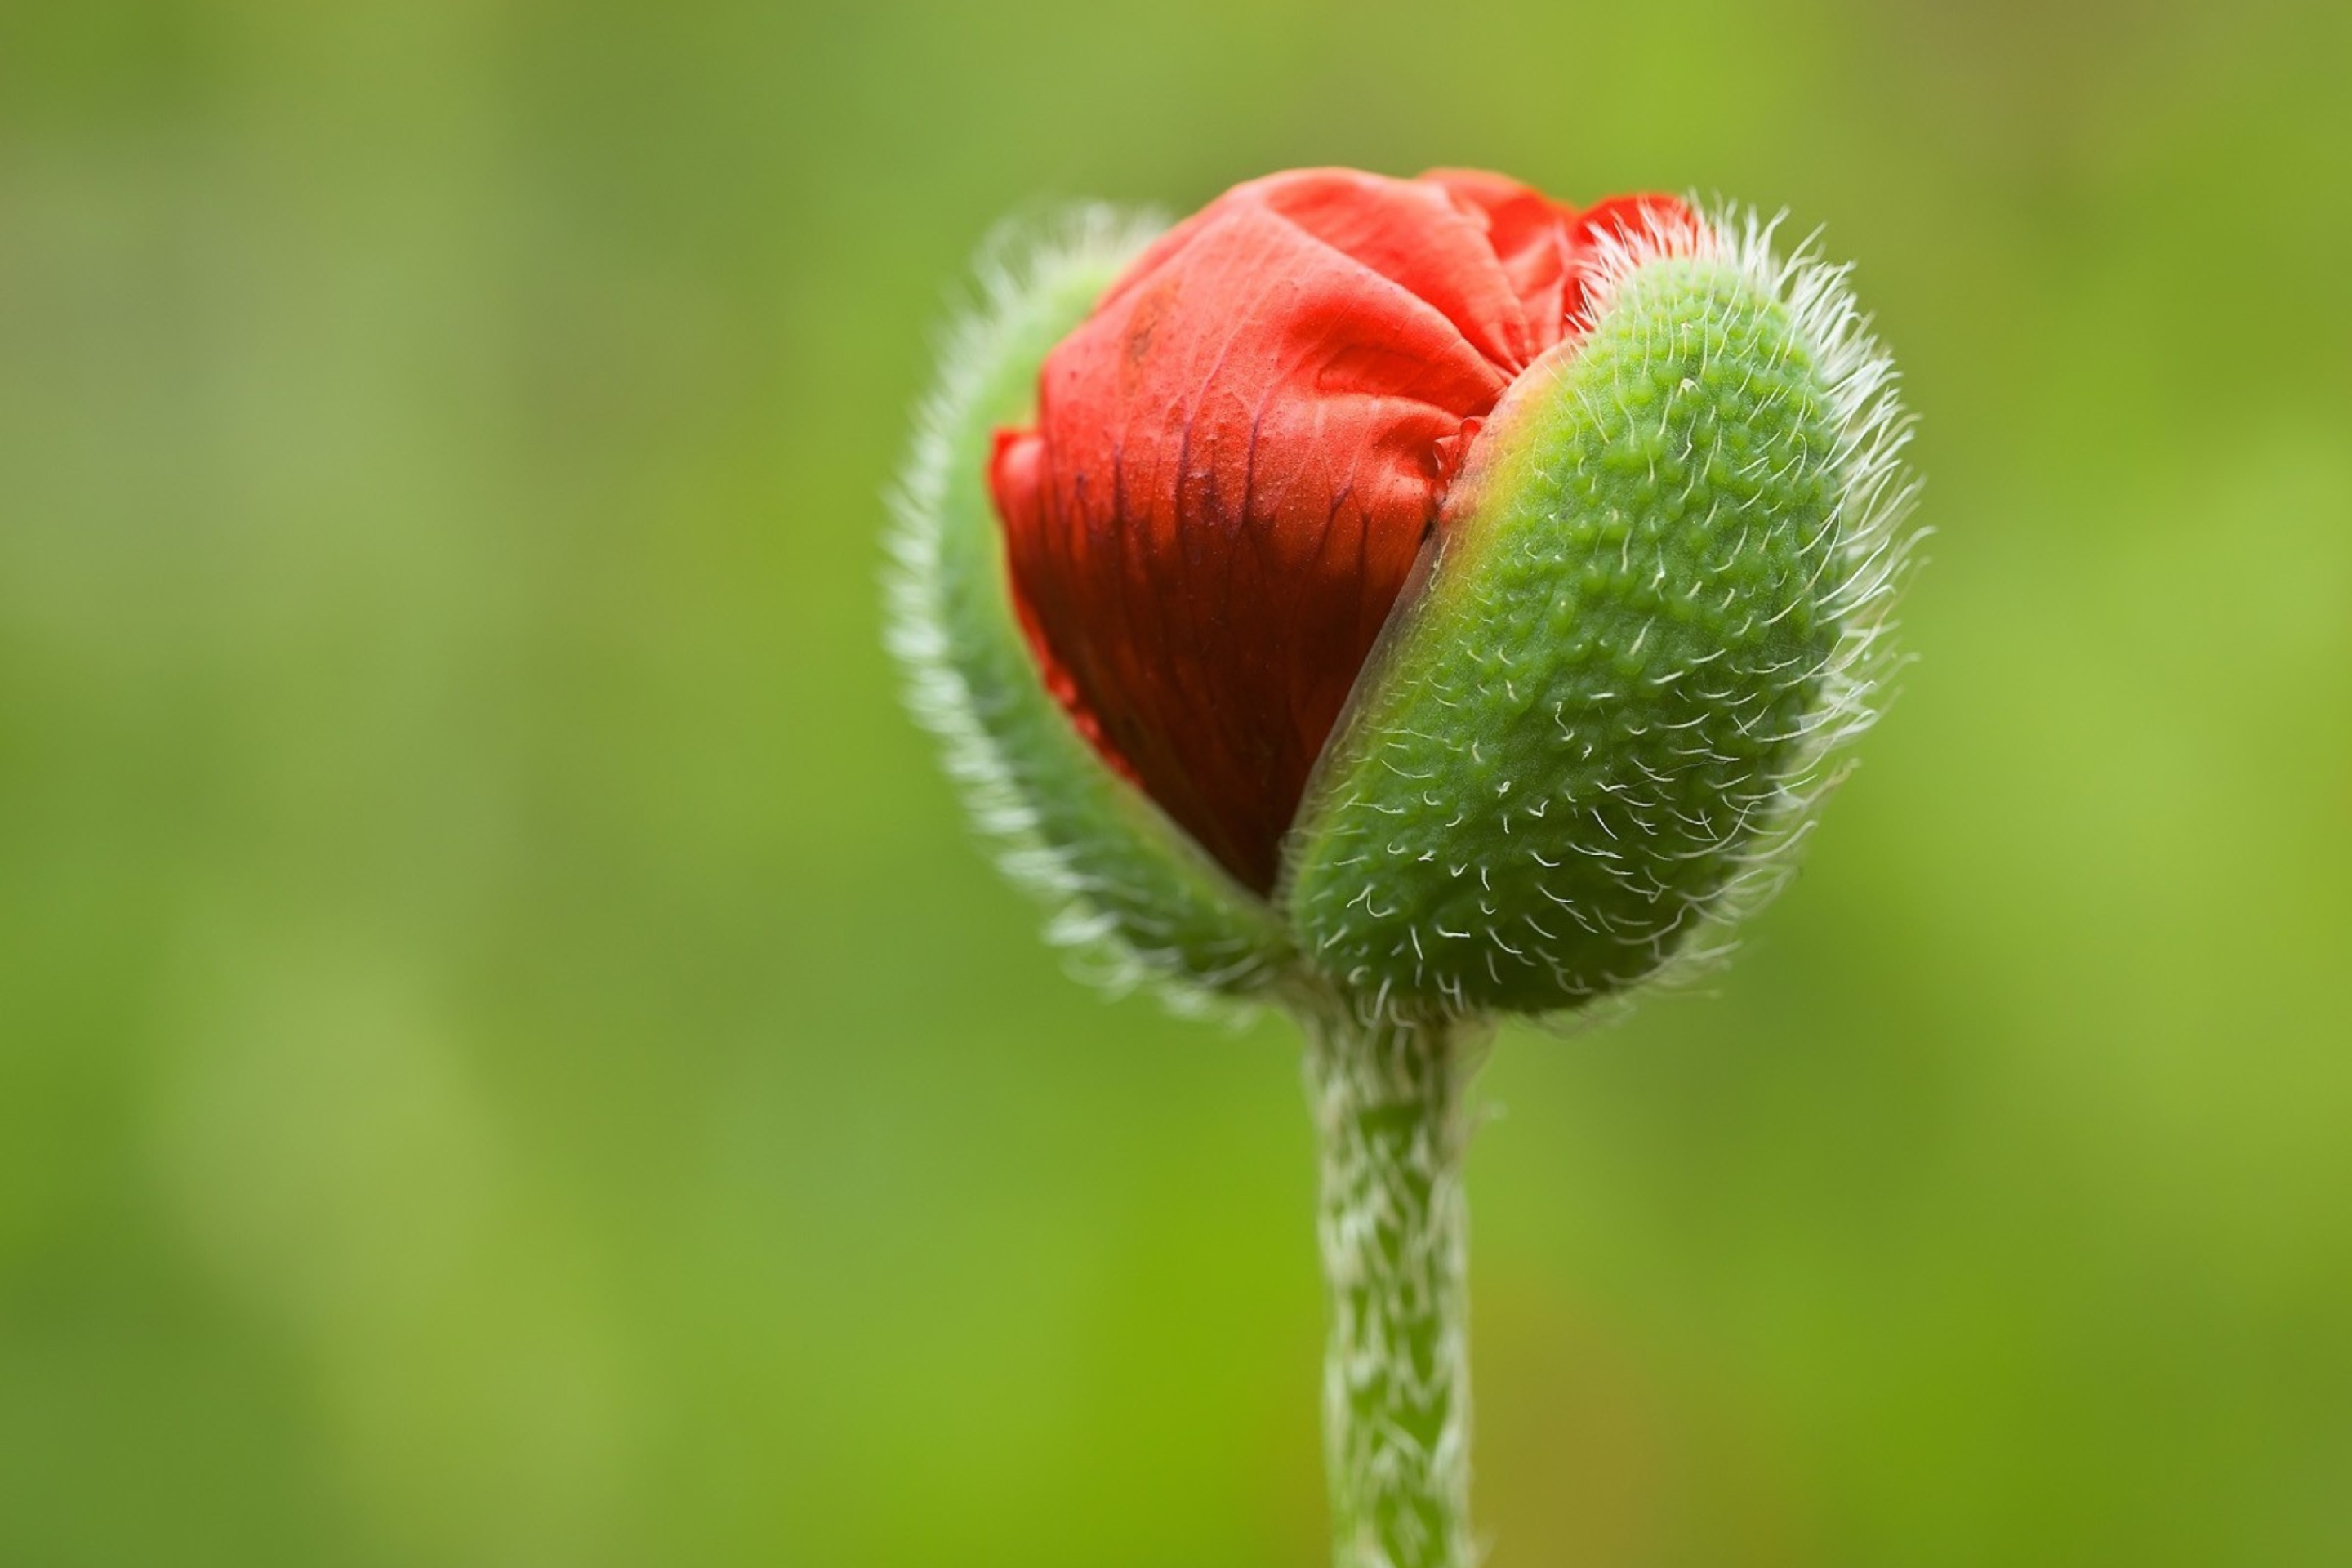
(1408, 602)
(1237, 457)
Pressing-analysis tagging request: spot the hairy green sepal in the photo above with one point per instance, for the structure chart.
(1575, 744)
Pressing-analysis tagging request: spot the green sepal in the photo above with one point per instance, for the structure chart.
(1130, 888)
(1586, 732)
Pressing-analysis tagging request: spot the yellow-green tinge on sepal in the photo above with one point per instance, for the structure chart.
(1594, 728)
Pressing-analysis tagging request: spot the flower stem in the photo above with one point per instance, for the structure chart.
(1388, 1102)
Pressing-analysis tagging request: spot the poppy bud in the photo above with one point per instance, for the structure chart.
(1416, 592)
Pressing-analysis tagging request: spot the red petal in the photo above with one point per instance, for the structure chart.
(1237, 456)
(1531, 236)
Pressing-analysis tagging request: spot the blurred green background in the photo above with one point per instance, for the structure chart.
(508, 1057)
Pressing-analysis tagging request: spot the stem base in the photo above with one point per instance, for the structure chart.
(1388, 1102)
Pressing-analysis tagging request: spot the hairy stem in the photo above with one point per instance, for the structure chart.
(1388, 1103)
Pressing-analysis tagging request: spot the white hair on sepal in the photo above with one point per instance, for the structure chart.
(1020, 268)
(1873, 554)
(1869, 558)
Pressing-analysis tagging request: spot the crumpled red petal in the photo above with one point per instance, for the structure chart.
(1237, 456)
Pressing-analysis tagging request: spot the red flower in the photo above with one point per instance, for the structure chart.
(1238, 454)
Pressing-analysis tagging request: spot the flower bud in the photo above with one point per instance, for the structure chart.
(1415, 591)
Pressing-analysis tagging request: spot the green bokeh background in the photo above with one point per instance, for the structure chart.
(506, 1055)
